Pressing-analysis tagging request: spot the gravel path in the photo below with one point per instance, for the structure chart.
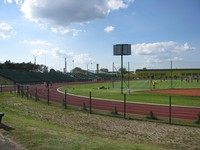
(8, 144)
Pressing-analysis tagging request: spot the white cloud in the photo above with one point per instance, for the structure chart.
(160, 51)
(37, 42)
(18, 2)
(77, 58)
(39, 52)
(55, 52)
(75, 32)
(83, 58)
(177, 59)
(8, 1)
(65, 12)
(53, 56)
(65, 30)
(6, 30)
(60, 30)
(61, 53)
(117, 4)
(109, 29)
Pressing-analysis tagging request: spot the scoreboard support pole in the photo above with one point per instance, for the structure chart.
(122, 74)
(122, 49)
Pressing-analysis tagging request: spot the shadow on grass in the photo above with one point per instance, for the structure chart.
(5, 127)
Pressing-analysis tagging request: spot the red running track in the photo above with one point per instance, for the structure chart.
(179, 112)
(7, 88)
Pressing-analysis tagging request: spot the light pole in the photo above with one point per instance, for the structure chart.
(171, 73)
(44, 59)
(91, 66)
(35, 56)
(122, 74)
(73, 63)
(65, 69)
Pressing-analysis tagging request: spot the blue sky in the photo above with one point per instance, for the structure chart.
(84, 31)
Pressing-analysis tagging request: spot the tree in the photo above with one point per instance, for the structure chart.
(42, 68)
(77, 70)
(27, 67)
(8, 65)
(123, 70)
(52, 70)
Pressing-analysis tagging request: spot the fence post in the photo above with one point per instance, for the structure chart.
(90, 102)
(170, 110)
(36, 94)
(15, 86)
(65, 103)
(22, 91)
(18, 89)
(48, 95)
(124, 106)
(27, 92)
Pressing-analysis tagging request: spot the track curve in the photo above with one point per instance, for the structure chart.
(179, 112)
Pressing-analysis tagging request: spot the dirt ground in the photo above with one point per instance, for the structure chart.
(186, 92)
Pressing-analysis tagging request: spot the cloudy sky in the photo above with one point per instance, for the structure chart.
(84, 32)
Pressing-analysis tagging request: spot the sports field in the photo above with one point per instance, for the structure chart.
(141, 91)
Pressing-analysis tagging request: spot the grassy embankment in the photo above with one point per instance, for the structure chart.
(4, 81)
(35, 125)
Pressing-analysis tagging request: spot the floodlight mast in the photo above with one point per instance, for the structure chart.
(65, 70)
(122, 49)
(122, 73)
(35, 56)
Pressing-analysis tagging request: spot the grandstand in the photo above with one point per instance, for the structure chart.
(105, 76)
(55, 77)
(19, 77)
(83, 76)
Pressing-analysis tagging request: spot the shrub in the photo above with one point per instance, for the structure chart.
(37, 98)
(198, 118)
(115, 111)
(22, 93)
(84, 107)
(63, 103)
(27, 96)
(152, 116)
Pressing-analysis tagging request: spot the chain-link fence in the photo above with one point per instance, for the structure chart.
(169, 112)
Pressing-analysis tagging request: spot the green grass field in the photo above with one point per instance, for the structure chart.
(38, 126)
(137, 92)
(35, 125)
